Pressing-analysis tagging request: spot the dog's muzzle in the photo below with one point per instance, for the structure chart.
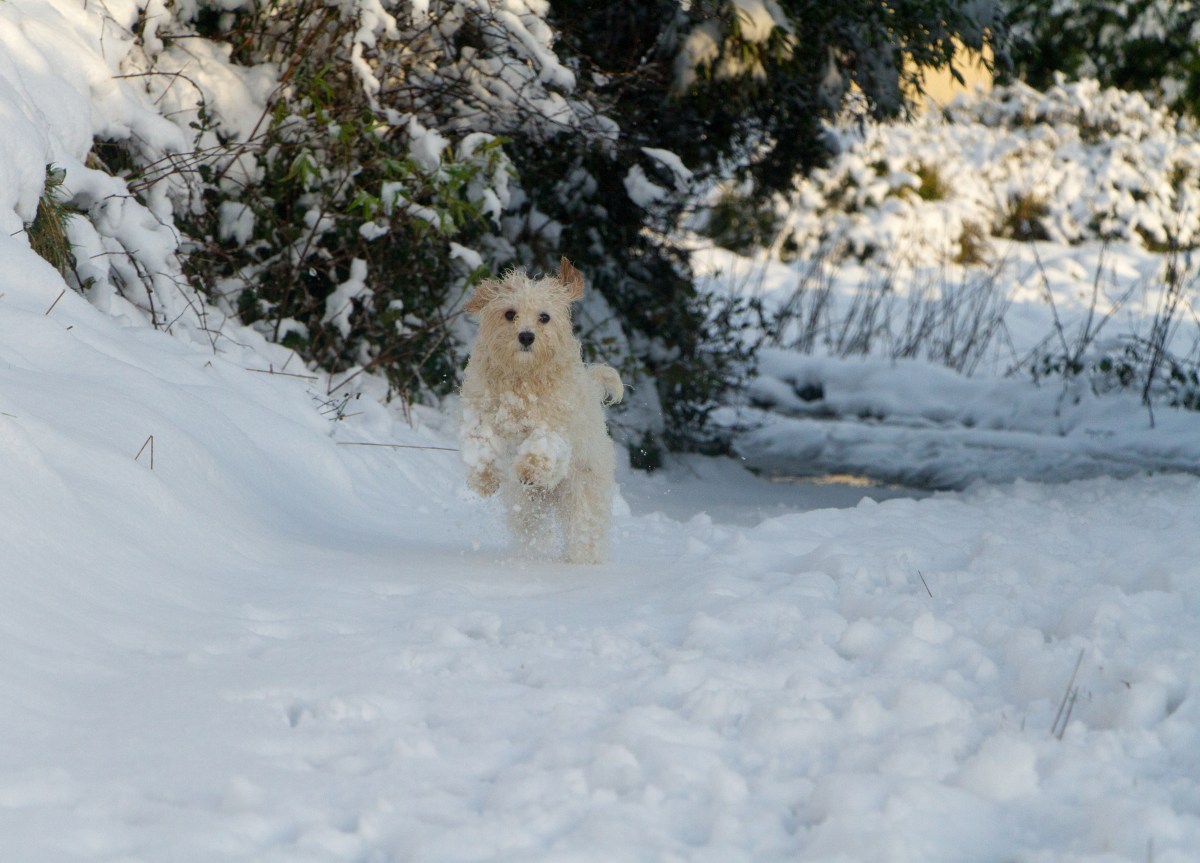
(525, 337)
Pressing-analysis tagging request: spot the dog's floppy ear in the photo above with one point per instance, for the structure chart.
(572, 279)
(484, 294)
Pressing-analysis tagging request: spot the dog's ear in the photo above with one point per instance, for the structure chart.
(484, 294)
(572, 279)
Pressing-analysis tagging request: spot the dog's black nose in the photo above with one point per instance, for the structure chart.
(525, 337)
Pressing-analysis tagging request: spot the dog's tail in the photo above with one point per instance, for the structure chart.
(610, 381)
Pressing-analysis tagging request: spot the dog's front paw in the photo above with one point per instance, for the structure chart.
(542, 459)
(483, 482)
(535, 469)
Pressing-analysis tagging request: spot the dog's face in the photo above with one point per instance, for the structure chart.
(526, 323)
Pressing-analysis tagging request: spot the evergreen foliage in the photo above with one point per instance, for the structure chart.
(1150, 46)
(747, 83)
(48, 230)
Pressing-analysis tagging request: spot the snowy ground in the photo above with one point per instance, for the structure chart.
(272, 647)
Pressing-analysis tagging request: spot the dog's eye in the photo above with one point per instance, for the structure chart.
(510, 315)
(544, 318)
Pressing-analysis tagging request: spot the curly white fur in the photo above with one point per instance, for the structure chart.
(533, 420)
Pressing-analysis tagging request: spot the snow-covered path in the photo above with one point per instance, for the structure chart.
(877, 683)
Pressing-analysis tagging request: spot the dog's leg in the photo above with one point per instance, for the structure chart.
(483, 481)
(585, 508)
(480, 454)
(527, 510)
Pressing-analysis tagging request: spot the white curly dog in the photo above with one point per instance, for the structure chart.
(533, 418)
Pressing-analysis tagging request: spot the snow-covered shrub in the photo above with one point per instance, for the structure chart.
(318, 202)
(356, 164)
(722, 87)
(1150, 46)
(1075, 163)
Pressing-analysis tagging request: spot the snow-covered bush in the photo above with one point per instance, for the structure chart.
(354, 165)
(1049, 235)
(724, 87)
(335, 196)
(1077, 162)
(1149, 46)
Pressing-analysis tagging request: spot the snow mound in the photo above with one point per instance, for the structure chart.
(916, 424)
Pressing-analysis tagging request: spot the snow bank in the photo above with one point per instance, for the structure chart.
(916, 424)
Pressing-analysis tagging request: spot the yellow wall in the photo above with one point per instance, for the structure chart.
(941, 87)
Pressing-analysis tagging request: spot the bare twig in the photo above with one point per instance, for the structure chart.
(1163, 325)
(333, 388)
(283, 373)
(55, 303)
(1067, 717)
(149, 443)
(396, 445)
(1068, 702)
